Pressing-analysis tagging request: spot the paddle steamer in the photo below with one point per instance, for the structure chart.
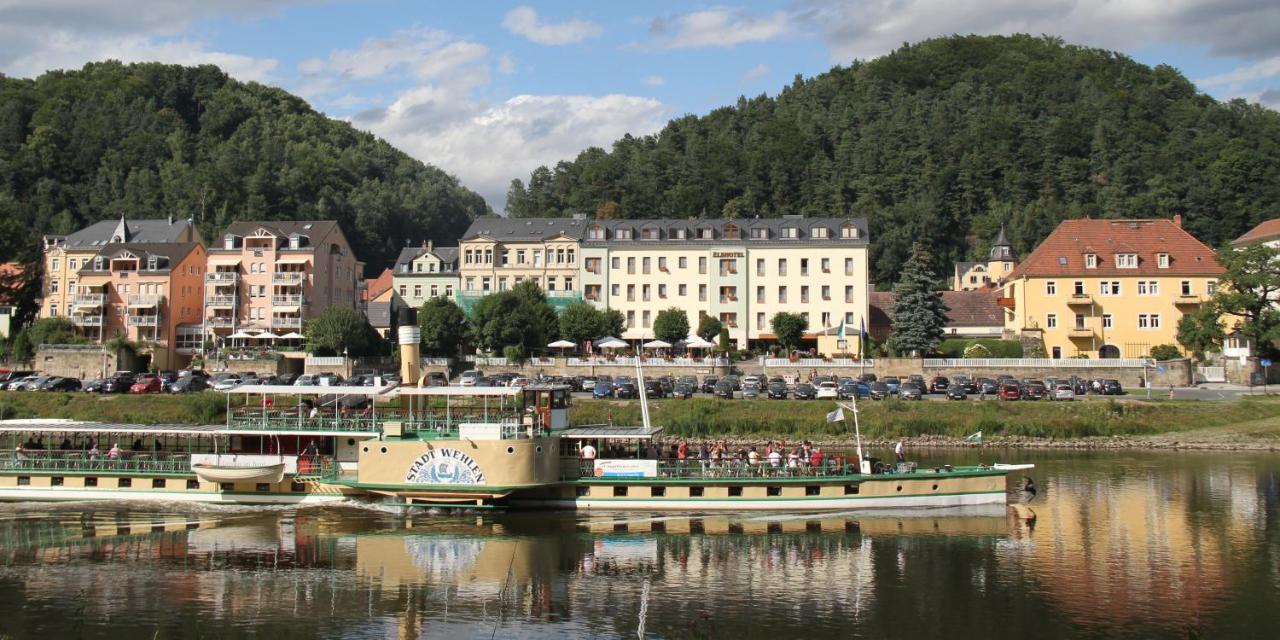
(439, 446)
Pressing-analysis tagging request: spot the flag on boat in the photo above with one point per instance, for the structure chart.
(975, 438)
(836, 416)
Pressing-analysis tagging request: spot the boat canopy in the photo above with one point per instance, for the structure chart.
(57, 425)
(458, 392)
(310, 390)
(610, 432)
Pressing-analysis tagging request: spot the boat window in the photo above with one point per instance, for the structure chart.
(851, 489)
(735, 492)
(619, 492)
(773, 491)
(559, 399)
(125, 483)
(262, 486)
(657, 492)
(90, 482)
(193, 484)
(157, 483)
(226, 486)
(695, 492)
(812, 490)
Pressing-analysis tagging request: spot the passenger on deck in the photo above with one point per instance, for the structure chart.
(66, 444)
(793, 459)
(588, 452)
(315, 412)
(93, 450)
(775, 458)
(682, 450)
(753, 457)
(114, 452)
(815, 458)
(137, 445)
(311, 449)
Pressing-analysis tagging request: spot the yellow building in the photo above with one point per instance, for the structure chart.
(426, 272)
(1109, 288)
(742, 272)
(495, 254)
(970, 276)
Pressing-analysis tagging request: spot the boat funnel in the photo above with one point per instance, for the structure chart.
(410, 338)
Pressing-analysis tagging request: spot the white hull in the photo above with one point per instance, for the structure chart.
(70, 494)
(222, 473)
(769, 504)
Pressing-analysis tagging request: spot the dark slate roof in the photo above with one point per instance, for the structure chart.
(448, 255)
(525, 229)
(99, 233)
(173, 252)
(773, 226)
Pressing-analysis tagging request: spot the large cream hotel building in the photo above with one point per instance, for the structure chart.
(742, 272)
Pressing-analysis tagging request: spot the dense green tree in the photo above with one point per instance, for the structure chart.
(1201, 331)
(788, 328)
(941, 142)
(671, 325)
(725, 345)
(342, 330)
(580, 322)
(1165, 352)
(708, 327)
(1245, 300)
(519, 316)
(614, 323)
(155, 140)
(444, 327)
(919, 314)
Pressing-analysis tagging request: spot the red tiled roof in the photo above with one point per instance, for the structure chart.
(1062, 253)
(975, 308)
(375, 287)
(1267, 230)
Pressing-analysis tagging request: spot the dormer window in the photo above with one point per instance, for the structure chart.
(849, 232)
(1126, 261)
(820, 232)
(650, 233)
(1091, 261)
(623, 233)
(152, 263)
(595, 233)
(1162, 260)
(760, 234)
(731, 232)
(97, 263)
(791, 233)
(228, 242)
(680, 234)
(706, 233)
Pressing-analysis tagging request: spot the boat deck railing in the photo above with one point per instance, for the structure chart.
(87, 461)
(698, 469)
(426, 424)
(319, 468)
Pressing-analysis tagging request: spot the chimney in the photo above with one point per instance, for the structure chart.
(1177, 220)
(409, 335)
(431, 245)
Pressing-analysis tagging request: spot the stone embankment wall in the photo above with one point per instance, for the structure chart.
(85, 363)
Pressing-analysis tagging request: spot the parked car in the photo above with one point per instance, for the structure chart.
(227, 381)
(1010, 391)
(750, 390)
(724, 389)
(287, 378)
(987, 386)
(910, 391)
(735, 381)
(1033, 391)
(588, 383)
(939, 384)
(1064, 391)
(777, 389)
(189, 384)
(752, 379)
(9, 377)
(93, 386)
(804, 391)
(16, 384)
(147, 384)
(893, 382)
(438, 379)
(850, 388)
(1111, 388)
(919, 381)
(683, 390)
(62, 384)
(33, 383)
(653, 389)
(868, 378)
(119, 383)
(957, 392)
(709, 384)
(322, 379)
(827, 391)
(880, 390)
(691, 381)
(626, 390)
(602, 390)
(469, 378)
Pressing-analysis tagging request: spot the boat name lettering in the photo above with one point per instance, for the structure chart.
(444, 466)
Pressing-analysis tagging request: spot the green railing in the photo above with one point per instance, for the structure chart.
(86, 462)
(316, 468)
(433, 425)
(732, 469)
(256, 420)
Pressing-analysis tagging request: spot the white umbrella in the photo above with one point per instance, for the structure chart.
(657, 344)
(241, 335)
(611, 343)
(267, 335)
(696, 342)
(562, 344)
(292, 335)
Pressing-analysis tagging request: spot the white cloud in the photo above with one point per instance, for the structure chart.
(1268, 68)
(718, 27)
(377, 57)
(1239, 28)
(654, 80)
(524, 21)
(506, 64)
(486, 145)
(756, 72)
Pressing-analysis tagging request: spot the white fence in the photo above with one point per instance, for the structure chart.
(1039, 363)
(816, 362)
(325, 361)
(630, 361)
(1211, 374)
(435, 362)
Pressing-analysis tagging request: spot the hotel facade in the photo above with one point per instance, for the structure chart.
(426, 272)
(495, 254)
(1109, 288)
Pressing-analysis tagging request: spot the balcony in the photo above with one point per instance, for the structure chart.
(288, 278)
(222, 277)
(279, 322)
(1080, 299)
(221, 322)
(150, 320)
(1190, 300)
(86, 321)
(219, 301)
(88, 300)
(145, 301)
(286, 301)
(1080, 332)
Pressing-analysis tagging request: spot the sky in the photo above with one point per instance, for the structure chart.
(487, 91)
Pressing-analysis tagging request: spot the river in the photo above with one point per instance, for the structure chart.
(1124, 545)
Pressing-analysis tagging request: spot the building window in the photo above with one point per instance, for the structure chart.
(848, 293)
(622, 234)
(435, 290)
(1148, 287)
(804, 266)
(819, 232)
(1080, 322)
(682, 262)
(683, 290)
(615, 290)
(1110, 288)
(1090, 261)
(804, 295)
(848, 232)
(645, 263)
(53, 286)
(595, 233)
(662, 264)
(417, 291)
(706, 233)
(1051, 288)
(759, 320)
(1057, 353)
(826, 292)
(848, 317)
(650, 233)
(631, 319)
(1126, 261)
(644, 294)
(1106, 321)
(731, 232)
(593, 265)
(760, 234)
(848, 266)
(505, 259)
(680, 234)
(759, 295)
(592, 292)
(1051, 321)
(645, 319)
(631, 293)
(1148, 321)
(782, 295)
(662, 291)
(631, 265)
(790, 233)
(702, 265)
(782, 266)
(759, 266)
(702, 293)
(551, 284)
(568, 283)
(1162, 260)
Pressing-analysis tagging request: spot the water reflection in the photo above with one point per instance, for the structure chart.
(1123, 545)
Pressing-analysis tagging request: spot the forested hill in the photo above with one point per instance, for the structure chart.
(943, 141)
(154, 140)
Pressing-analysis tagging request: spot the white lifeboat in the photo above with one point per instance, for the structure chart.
(239, 473)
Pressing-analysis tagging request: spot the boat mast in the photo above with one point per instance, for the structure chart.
(644, 398)
(857, 430)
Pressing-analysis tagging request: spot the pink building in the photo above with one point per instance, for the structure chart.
(271, 276)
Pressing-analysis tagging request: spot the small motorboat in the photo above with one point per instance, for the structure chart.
(239, 473)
